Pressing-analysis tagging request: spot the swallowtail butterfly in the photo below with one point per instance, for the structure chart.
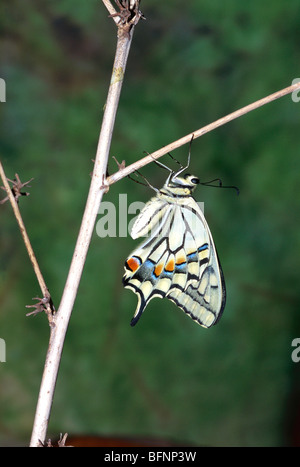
(178, 260)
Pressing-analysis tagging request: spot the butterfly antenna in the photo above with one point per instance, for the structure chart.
(220, 185)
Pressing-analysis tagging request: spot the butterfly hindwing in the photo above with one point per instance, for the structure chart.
(144, 267)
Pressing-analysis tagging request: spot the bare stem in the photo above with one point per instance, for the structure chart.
(111, 10)
(27, 243)
(97, 188)
(197, 133)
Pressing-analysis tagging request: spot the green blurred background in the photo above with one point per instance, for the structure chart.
(190, 63)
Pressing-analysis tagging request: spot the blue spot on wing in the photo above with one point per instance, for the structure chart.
(145, 271)
(192, 257)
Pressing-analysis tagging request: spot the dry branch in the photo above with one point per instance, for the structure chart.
(13, 199)
(98, 187)
(123, 172)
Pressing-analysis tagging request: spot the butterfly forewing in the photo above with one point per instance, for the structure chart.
(178, 259)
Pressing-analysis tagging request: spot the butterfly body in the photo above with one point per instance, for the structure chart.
(178, 259)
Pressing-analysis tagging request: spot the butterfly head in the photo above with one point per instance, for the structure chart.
(179, 185)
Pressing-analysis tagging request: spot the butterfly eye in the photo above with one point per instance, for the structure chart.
(195, 180)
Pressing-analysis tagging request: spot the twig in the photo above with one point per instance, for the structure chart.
(196, 134)
(129, 13)
(16, 188)
(13, 201)
(97, 188)
(111, 10)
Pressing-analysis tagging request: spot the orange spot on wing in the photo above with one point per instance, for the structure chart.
(133, 264)
(170, 265)
(180, 260)
(158, 270)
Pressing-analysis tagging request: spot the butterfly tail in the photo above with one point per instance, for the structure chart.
(139, 310)
(141, 300)
(135, 319)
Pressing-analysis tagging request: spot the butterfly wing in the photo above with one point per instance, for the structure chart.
(198, 286)
(178, 261)
(144, 267)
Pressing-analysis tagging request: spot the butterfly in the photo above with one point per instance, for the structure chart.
(178, 260)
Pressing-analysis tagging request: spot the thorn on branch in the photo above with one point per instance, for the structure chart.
(61, 443)
(40, 306)
(129, 13)
(62, 440)
(121, 165)
(16, 188)
(46, 444)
